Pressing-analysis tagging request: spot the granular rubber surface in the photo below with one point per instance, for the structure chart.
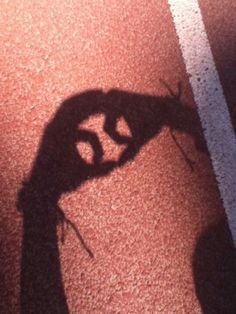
(87, 124)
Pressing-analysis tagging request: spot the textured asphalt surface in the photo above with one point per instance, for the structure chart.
(147, 233)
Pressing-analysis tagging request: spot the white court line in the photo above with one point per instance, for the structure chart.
(209, 97)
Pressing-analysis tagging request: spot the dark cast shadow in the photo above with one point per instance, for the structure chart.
(214, 268)
(58, 168)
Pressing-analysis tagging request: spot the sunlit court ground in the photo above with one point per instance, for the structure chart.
(113, 198)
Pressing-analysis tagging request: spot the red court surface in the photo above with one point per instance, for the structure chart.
(156, 228)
